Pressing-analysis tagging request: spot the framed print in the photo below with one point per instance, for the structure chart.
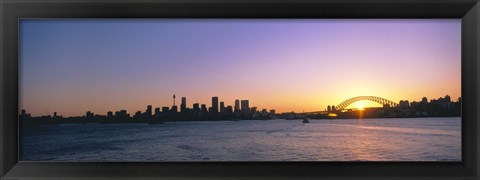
(271, 89)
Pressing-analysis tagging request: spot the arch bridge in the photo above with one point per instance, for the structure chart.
(378, 100)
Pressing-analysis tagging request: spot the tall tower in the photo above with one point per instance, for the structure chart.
(173, 99)
(215, 104)
(245, 108)
(222, 107)
(237, 105)
(183, 106)
(148, 112)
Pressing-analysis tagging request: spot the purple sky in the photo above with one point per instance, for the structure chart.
(74, 66)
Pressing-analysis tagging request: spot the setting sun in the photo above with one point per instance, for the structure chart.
(361, 105)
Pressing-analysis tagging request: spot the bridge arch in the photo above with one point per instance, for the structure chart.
(379, 100)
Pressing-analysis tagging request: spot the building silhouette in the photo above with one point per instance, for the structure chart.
(165, 110)
(222, 107)
(204, 109)
(237, 107)
(424, 100)
(157, 112)
(441, 107)
(174, 109)
(138, 115)
(253, 110)
(196, 108)
(229, 110)
(148, 112)
(214, 105)
(89, 115)
(404, 104)
(183, 106)
(245, 107)
(109, 114)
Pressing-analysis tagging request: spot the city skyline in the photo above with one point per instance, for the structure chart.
(288, 65)
(243, 106)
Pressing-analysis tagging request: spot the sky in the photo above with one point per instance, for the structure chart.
(71, 66)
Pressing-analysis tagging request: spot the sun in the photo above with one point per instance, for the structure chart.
(361, 106)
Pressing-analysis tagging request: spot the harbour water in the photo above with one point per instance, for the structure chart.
(409, 139)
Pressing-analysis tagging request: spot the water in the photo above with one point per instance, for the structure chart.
(419, 139)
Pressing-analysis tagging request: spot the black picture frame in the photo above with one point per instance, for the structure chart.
(12, 10)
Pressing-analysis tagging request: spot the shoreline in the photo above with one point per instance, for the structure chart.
(143, 122)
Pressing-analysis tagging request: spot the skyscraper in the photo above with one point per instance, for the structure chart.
(236, 108)
(183, 106)
(196, 107)
(215, 104)
(237, 105)
(157, 112)
(204, 108)
(245, 107)
(222, 107)
(149, 111)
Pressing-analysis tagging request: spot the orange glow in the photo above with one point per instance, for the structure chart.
(360, 106)
(332, 115)
(361, 114)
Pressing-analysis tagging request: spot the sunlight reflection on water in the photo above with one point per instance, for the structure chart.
(419, 139)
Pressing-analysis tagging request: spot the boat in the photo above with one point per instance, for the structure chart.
(305, 120)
